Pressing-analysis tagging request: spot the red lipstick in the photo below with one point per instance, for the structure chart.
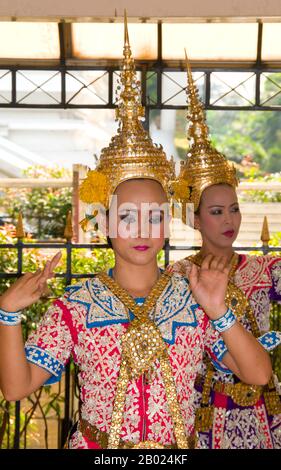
(141, 247)
(229, 233)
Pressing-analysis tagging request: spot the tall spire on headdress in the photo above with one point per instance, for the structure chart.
(204, 165)
(198, 132)
(129, 110)
(131, 152)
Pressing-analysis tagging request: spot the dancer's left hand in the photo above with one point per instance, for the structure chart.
(209, 284)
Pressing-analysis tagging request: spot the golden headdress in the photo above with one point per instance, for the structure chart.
(131, 152)
(204, 165)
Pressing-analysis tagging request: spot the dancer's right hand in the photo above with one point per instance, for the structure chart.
(29, 288)
(209, 283)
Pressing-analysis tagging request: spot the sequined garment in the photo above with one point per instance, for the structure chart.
(234, 426)
(88, 323)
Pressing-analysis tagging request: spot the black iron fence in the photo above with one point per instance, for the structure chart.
(17, 420)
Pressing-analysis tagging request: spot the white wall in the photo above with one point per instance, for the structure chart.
(143, 8)
(62, 137)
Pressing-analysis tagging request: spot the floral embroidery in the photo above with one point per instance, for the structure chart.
(259, 277)
(77, 441)
(51, 345)
(253, 273)
(46, 360)
(243, 430)
(260, 304)
(270, 340)
(275, 429)
(276, 277)
(175, 307)
(218, 427)
(102, 306)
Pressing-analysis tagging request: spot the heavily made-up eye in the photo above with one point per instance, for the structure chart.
(128, 218)
(219, 211)
(216, 211)
(156, 218)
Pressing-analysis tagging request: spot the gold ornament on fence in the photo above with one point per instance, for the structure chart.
(265, 236)
(19, 232)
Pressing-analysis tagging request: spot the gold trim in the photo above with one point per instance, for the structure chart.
(94, 434)
(142, 344)
(140, 311)
(242, 394)
(172, 399)
(118, 409)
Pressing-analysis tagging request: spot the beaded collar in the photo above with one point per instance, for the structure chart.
(174, 305)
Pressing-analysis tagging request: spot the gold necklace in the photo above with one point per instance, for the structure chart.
(234, 260)
(142, 344)
(135, 296)
(139, 311)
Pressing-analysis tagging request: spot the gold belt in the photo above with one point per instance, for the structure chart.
(242, 394)
(92, 433)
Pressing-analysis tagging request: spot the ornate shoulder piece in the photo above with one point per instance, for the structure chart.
(101, 305)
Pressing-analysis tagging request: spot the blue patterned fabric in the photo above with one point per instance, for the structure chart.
(42, 358)
(10, 318)
(270, 340)
(175, 306)
(103, 308)
(219, 349)
(220, 367)
(225, 322)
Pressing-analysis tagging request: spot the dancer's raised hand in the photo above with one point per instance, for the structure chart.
(209, 283)
(29, 287)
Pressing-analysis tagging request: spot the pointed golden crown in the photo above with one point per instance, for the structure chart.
(131, 152)
(204, 165)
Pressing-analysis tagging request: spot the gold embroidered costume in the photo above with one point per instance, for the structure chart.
(231, 413)
(132, 154)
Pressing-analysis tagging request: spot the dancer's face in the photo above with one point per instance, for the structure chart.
(140, 221)
(219, 216)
